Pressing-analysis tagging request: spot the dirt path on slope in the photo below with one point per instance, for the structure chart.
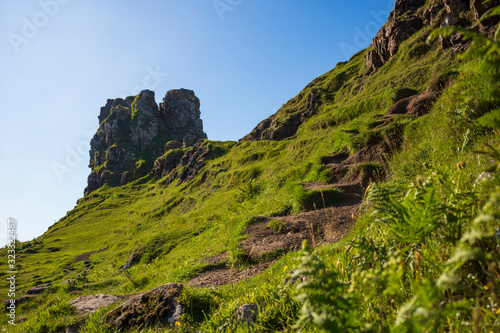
(263, 245)
(317, 227)
(86, 256)
(219, 276)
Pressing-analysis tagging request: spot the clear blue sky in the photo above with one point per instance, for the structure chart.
(62, 59)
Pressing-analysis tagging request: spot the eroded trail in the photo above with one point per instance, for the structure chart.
(264, 244)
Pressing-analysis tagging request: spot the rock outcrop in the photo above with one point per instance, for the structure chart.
(30, 294)
(408, 17)
(395, 31)
(158, 306)
(181, 110)
(455, 7)
(416, 105)
(285, 123)
(38, 290)
(247, 313)
(431, 15)
(134, 131)
(184, 164)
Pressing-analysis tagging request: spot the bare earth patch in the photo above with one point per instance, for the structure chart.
(265, 245)
(320, 226)
(220, 275)
(216, 259)
(86, 256)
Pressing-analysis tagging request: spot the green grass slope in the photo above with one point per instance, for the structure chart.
(172, 228)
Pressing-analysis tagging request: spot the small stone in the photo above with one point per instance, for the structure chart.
(451, 20)
(247, 313)
(73, 328)
(38, 289)
(17, 301)
(293, 278)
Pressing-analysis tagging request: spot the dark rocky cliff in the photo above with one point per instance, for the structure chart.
(409, 16)
(135, 131)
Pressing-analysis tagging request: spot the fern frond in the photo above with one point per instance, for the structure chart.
(473, 236)
(463, 255)
(467, 34)
(405, 311)
(447, 281)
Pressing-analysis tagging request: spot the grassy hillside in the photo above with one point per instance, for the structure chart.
(385, 274)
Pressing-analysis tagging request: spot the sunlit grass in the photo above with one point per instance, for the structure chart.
(175, 227)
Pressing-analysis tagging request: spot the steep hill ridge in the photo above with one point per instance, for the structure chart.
(407, 18)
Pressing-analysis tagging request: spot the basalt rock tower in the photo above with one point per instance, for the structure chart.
(135, 131)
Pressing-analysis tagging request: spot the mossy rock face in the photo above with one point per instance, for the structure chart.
(185, 163)
(133, 133)
(157, 306)
(168, 162)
